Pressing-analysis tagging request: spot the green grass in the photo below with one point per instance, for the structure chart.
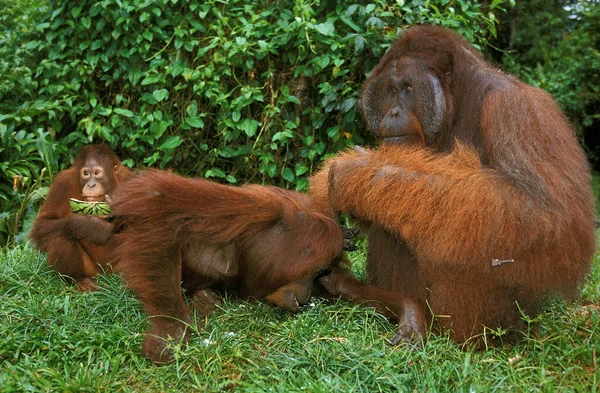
(56, 339)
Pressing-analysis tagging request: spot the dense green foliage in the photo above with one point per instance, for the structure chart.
(555, 45)
(55, 339)
(231, 90)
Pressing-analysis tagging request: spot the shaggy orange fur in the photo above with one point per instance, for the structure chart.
(264, 242)
(487, 219)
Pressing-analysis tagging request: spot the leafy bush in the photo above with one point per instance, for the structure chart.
(555, 45)
(21, 154)
(236, 91)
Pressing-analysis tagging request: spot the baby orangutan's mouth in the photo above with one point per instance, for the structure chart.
(94, 198)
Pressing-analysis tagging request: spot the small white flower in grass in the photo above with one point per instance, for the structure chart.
(208, 342)
(514, 359)
(312, 304)
(230, 334)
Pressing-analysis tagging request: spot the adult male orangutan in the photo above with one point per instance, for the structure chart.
(478, 202)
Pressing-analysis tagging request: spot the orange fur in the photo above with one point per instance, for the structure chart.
(265, 242)
(77, 246)
(515, 187)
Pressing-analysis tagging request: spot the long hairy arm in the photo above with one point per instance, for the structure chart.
(446, 207)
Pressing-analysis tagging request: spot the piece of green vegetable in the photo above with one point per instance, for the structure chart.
(89, 208)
